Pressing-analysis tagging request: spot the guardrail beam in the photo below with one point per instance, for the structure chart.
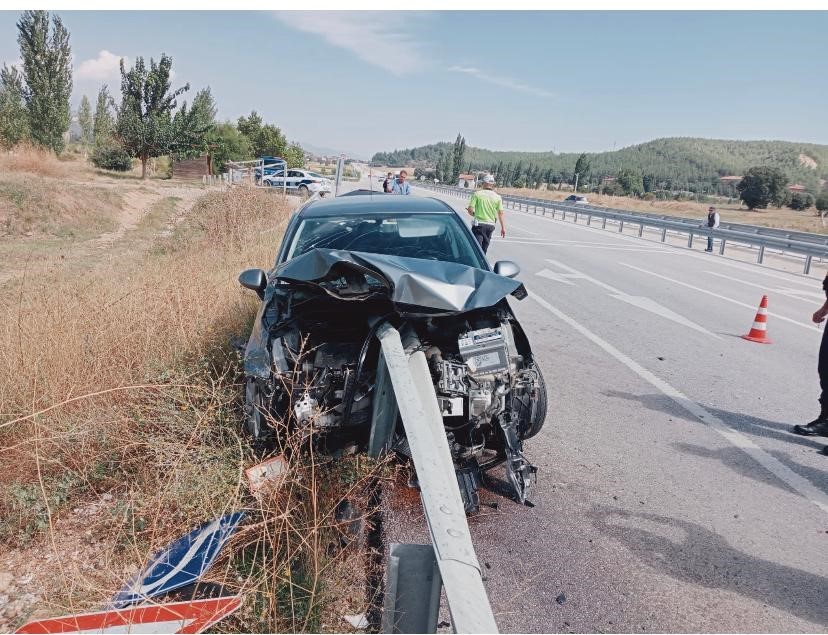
(450, 536)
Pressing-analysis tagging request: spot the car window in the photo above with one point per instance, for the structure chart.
(295, 173)
(428, 236)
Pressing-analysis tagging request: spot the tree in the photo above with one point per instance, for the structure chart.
(458, 157)
(294, 155)
(145, 124)
(582, 167)
(14, 120)
(85, 121)
(193, 127)
(630, 182)
(230, 145)
(762, 185)
(265, 139)
(47, 69)
(103, 123)
(801, 201)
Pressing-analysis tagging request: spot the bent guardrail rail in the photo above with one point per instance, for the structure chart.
(405, 378)
(804, 244)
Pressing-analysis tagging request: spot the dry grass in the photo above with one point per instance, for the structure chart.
(732, 212)
(38, 161)
(119, 428)
(42, 206)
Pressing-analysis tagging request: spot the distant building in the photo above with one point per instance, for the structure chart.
(797, 187)
(467, 180)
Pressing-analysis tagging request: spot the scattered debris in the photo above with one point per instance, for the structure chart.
(357, 621)
(181, 563)
(270, 472)
(178, 617)
(561, 599)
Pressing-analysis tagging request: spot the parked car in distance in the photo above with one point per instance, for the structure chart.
(271, 166)
(576, 198)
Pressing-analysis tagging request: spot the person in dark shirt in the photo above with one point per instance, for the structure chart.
(388, 183)
(819, 426)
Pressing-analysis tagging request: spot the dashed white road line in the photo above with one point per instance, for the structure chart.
(641, 302)
(776, 316)
(796, 482)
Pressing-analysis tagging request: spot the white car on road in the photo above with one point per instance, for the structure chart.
(302, 182)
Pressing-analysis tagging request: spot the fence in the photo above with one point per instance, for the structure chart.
(255, 171)
(801, 244)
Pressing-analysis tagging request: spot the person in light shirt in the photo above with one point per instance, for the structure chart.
(485, 208)
(400, 185)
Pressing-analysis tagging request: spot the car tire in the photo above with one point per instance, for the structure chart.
(536, 415)
(255, 419)
(304, 192)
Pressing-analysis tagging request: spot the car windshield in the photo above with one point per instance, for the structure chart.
(428, 236)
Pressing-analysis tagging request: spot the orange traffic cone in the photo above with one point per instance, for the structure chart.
(759, 330)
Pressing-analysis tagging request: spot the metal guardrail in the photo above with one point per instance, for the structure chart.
(805, 244)
(404, 384)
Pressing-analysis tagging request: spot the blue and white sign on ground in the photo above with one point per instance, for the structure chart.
(180, 564)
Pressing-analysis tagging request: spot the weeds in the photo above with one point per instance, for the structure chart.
(119, 429)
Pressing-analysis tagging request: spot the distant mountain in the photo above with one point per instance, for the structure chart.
(678, 162)
(328, 152)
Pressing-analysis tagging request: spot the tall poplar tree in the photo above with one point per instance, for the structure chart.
(47, 70)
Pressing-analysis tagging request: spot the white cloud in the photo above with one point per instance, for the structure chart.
(105, 67)
(506, 82)
(375, 37)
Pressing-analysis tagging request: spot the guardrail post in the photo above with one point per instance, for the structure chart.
(761, 255)
(604, 223)
(576, 218)
(664, 234)
(690, 241)
(589, 220)
(721, 247)
(640, 230)
(808, 264)
(620, 226)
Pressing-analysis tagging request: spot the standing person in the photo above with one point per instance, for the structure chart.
(819, 426)
(400, 186)
(713, 223)
(486, 206)
(387, 183)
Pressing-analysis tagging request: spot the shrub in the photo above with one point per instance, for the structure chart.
(801, 201)
(112, 157)
(822, 203)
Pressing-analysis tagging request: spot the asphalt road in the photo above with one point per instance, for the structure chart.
(671, 495)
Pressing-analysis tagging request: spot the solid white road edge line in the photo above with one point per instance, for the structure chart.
(766, 288)
(781, 471)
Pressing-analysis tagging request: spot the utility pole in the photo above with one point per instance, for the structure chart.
(576, 182)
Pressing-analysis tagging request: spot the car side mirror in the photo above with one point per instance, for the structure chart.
(506, 268)
(255, 280)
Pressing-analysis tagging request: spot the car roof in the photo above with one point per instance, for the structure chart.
(370, 204)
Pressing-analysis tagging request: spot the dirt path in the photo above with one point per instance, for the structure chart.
(33, 256)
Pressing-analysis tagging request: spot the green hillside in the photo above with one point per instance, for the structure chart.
(672, 163)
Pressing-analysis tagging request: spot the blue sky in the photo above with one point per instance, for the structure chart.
(563, 81)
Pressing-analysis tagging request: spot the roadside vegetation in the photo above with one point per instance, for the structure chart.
(120, 430)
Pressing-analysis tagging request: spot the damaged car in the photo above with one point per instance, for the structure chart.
(346, 266)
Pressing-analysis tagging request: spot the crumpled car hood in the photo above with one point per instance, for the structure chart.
(431, 284)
